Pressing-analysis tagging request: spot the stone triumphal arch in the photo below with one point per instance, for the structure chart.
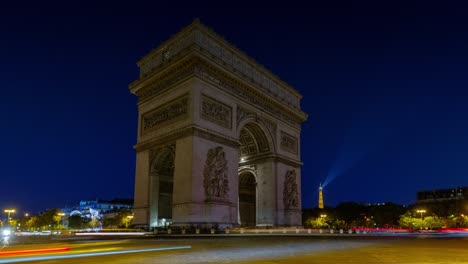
(218, 137)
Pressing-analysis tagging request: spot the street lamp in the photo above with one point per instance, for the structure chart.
(323, 217)
(129, 219)
(61, 219)
(421, 212)
(9, 211)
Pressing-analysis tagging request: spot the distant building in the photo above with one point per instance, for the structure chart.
(98, 209)
(440, 195)
(104, 206)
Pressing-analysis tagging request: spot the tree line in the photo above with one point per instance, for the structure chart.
(53, 220)
(388, 215)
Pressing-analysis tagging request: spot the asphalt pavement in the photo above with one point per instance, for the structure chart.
(244, 249)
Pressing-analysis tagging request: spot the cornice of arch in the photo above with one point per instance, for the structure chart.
(197, 34)
(172, 136)
(195, 64)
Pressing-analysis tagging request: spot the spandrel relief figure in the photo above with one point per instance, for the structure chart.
(290, 192)
(215, 181)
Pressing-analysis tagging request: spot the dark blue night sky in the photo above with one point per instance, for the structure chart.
(384, 83)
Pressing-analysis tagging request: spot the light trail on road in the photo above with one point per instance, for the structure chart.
(85, 255)
(33, 251)
(259, 249)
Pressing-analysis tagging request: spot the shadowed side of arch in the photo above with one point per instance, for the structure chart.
(161, 187)
(247, 199)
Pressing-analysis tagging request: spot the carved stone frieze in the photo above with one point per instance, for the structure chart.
(215, 177)
(290, 192)
(222, 51)
(197, 67)
(172, 111)
(248, 69)
(216, 111)
(241, 90)
(288, 143)
(165, 53)
(164, 81)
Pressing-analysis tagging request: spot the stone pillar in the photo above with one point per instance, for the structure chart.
(289, 212)
(191, 204)
(266, 192)
(182, 207)
(141, 210)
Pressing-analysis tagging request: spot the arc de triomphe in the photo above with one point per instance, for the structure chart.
(218, 137)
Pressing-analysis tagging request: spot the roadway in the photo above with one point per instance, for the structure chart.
(244, 249)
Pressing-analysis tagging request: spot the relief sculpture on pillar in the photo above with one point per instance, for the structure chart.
(216, 180)
(290, 193)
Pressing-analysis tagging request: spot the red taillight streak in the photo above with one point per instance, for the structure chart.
(33, 251)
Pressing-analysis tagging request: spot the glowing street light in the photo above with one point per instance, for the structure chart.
(129, 219)
(421, 212)
(9, 211)
(61, 219)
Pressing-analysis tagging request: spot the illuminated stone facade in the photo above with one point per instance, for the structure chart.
(218, 137)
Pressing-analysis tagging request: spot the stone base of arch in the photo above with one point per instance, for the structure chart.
(205, 215)
(291, 218)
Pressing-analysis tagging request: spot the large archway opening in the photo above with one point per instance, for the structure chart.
(247, 199)
(162, 181)
(253, 144)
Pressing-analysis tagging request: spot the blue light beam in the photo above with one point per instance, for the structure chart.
(371, 129)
